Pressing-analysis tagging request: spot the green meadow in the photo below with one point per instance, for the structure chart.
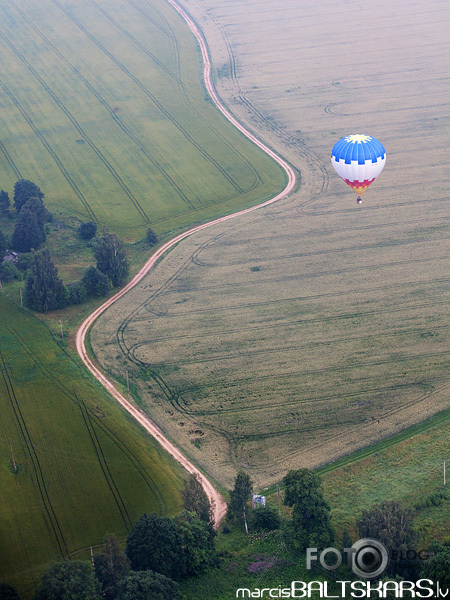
(103, 107)
(82, 467)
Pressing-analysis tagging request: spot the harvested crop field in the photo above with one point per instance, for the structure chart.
(314, 327)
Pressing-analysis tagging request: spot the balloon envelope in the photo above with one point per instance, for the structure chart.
(358, 159)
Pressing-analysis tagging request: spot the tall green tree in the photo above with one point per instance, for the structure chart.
(239, 496)
(36, 206)
(196, 500)
(154, 544)
(69, 580)
(111, 258)
(27, 233)
(391, 524)
(96, 282)
(437, 567)
(197, 541)
(5, 203)
(147, 585)
(23, 191)
(43, 289)
(3, 245)
(111, 566)
(311, 523)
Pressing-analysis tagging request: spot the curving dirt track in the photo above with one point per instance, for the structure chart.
(217, 501)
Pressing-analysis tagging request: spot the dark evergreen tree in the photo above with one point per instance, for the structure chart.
(8, 592)
(154, 543)
(43, 289)
(3, 245)
(266, 518)
(77, 293)
(239, 496)
(147, 585)
(196, 500)
(27, 233)
(69, 580)
(111, 566)
(198, 542)
(23, 191)
(86, 231)
(151, 237)
(111, 258)
(391, 524)
(5, 203)
(437, 567)
(311, 524)
(25, 261)
(96, 282)
(37, 207)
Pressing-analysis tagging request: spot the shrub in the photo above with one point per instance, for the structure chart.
(86, 231)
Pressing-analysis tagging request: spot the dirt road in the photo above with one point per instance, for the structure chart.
(217, 501)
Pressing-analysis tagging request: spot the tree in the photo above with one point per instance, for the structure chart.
(86, 231)
(311, 524)
(239, 496)
(68, 580)
(198, 542)
(196, 500)
(111, 566)
(151, 237)
(96, 282)
(154, 543)
(391, 524)
(77, 293)
(111, 258)
(27, 233)
(43, 289)
(36, 206)
(5, 203)
(8, 592)
(266, 518)
(437, 567)
(147, 585)
(3, 245)
(23, 191)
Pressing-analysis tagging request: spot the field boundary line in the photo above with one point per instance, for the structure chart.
(217, 502)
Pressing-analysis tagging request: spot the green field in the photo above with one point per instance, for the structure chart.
(83, 468)
(104, 108)
(312, 328)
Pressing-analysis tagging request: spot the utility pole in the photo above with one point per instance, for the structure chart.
(21, 301)
(12, 456)
(60, 324)
(92, 558)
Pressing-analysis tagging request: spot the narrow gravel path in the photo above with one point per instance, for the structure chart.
(217, 501)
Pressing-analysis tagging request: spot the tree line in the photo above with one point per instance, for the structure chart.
(44, 290)
(161, 551)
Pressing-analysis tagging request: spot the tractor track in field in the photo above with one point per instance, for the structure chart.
(217, 502)
(126, 130)
(51, 519)
(97, 422)
(78, 127)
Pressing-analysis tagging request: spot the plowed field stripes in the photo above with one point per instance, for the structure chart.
(52, 519)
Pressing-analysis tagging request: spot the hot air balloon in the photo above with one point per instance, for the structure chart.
(358, 159)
